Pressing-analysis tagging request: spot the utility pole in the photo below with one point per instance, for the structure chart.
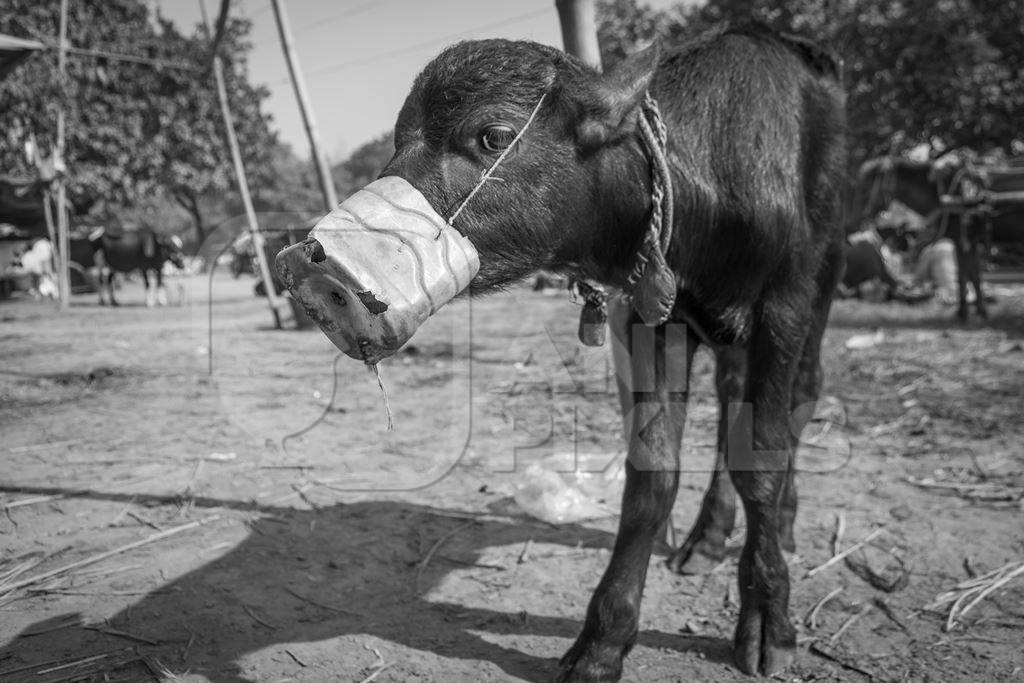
(63, 240)
(579, 30)
(243, 184)
(295, 72)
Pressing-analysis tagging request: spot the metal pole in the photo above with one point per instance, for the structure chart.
(295, 72)
(63, 241)
(579, 30)
(243, 184)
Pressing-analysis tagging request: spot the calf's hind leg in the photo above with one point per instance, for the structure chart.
(806, 389)
(759, 455)
(655, 385)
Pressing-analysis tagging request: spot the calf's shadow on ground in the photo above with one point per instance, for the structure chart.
(361, 563)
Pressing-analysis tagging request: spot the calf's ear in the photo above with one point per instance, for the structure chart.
(608, 106)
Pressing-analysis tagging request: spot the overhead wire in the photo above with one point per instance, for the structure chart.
(427, 43)
(358, 9)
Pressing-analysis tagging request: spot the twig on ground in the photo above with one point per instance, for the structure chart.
(192, 480)
(376, 652)
(123, 512)
(974, 590)
(887, 611)
(80, 661)
(867, 607)
(985, 491)
(43, 446)
(811, 619)
(160, 670)
(466, 563)
(422, 566)
(971, 587)
(321, 605)
(31, 501)
(376, 672)
(60, 624)
(524, 554)
(838, 557)
(969, 567)
(261, 622)
(296, 658)
(982, 472)
(142, 520)
(18, 570)
(108, 553)
(122, 634)
(837, 537)
(188, 646)
(841, 660)
(300, 491)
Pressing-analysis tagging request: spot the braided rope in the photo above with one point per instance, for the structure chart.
(654, 135)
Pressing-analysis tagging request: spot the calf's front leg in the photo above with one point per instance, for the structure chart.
(653, 388)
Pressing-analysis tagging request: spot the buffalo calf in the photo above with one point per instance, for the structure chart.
(755, 128)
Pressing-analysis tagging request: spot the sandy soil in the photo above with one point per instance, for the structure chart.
(348, 548)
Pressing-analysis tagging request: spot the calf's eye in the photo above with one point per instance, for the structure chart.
(497, 138)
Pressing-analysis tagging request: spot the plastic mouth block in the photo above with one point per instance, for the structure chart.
(374, 269)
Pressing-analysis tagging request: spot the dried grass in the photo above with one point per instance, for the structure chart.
(967, 594)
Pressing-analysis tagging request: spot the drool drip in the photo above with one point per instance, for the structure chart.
(384, 392)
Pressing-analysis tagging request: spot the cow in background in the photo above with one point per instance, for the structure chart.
(143, 250)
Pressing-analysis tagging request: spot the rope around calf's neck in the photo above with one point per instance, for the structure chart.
(654, 135)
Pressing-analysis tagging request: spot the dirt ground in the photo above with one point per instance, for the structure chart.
(349, 552)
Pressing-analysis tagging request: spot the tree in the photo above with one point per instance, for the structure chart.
(135, 131)
(364, 164)
(947, 73)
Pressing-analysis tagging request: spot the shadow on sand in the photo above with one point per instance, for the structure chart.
(306, 576)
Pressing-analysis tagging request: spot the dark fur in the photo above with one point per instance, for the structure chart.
(756, 128)
(141, 250)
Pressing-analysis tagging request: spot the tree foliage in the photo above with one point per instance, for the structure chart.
(364, 164)
(947, 73)
(143, 133)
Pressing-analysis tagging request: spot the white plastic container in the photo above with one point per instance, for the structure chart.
(374, 269)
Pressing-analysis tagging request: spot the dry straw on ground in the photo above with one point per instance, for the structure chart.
(967, 594)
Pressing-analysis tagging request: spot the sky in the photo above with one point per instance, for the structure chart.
(360, 57)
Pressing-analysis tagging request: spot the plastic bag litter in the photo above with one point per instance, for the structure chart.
(865, 341)
(592, 489)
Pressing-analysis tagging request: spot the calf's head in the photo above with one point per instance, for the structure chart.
(509, 157)
(571, 195)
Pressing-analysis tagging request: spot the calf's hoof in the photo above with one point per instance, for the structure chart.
(586, 663)
(761, 646)
(699, 557)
